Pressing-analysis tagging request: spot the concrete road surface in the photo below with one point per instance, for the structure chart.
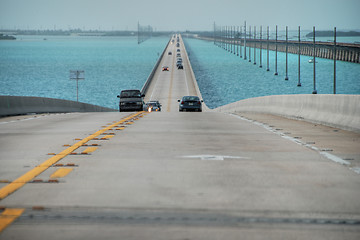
(168, 175)
(169, 86)
(174, 176)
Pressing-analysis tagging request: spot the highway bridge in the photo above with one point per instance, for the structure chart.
(220, 174)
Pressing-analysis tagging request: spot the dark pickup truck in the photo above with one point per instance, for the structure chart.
(131, 100)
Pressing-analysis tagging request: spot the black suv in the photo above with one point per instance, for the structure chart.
(131, 100)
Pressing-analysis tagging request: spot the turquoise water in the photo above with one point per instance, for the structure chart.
(31, 66)
(224, 77)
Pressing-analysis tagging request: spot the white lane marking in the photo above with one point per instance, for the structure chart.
(214, 157)
(27, 119)
(297, 141)
(335, 158)
(357, 170)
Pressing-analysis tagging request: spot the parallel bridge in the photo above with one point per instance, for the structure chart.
(348, 52)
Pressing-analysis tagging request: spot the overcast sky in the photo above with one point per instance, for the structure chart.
(178, 15)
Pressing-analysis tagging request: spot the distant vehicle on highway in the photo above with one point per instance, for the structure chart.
(190, 103)
(180, 66)
(169, 53)
(154, 105)
(178, 62)
(178, 50)
(178, 55)
(165, 68)
(178, 44)
(131, 100)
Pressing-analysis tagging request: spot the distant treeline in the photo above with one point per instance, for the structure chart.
(209, 34)
(331, 33)
(77, 32)
(6, 37)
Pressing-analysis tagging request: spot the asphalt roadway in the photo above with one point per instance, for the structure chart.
(170, 175)
(169, 86)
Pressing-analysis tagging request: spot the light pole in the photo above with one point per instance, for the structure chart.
(286, 70)
(267, 54)
(237, 41)
(245, 41)
(77, 75)
(254, 45)
(260, 47)
(314, 59)
(334, 60)
(276, 72)
(249, 45)
(240, 41)
(299, 49)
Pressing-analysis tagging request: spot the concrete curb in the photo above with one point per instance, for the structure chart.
(205, 107)
(18, 105)
(151, 76)
(341, 111)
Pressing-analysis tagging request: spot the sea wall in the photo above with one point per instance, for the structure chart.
(17, 105)
(341, 111)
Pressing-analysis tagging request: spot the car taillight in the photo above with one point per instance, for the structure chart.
(182, 102)
(199, 102)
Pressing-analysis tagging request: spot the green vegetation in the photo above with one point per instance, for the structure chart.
(6, 37)
(78, 32)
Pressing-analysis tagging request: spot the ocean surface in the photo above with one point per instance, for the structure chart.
(32, 66)
(224, 77)
(40, 66)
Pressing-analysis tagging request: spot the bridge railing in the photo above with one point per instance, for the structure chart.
(150, 77)
(341, 111)
(20, 105)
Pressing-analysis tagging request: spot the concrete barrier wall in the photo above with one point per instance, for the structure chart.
(150, 77)
(341, 111)
(17, 105)
(204, 106)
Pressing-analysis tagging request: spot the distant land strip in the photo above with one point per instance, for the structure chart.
(77, 32)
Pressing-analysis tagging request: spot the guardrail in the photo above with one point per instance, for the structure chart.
(19, 105)
(205, 107)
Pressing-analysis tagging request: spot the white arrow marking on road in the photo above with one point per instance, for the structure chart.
(214, 157)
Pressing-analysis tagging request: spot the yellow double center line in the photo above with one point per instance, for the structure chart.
(27, 177)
